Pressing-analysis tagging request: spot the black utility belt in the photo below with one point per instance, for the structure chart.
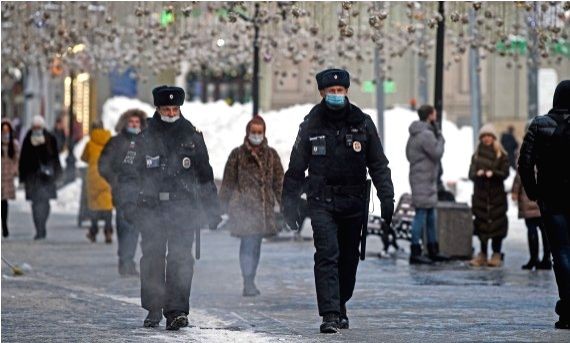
(344, 189)
(148, 200)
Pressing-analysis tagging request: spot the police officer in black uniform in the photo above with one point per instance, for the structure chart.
(169, 184)
(337, 142)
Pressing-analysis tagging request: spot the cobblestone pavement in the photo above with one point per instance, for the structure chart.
(71, 292)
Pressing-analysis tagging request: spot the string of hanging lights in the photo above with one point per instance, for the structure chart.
(210, 36)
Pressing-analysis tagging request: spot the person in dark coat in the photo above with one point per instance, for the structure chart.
(169, 184)
(489, 168)
(546, 147)
(530, 212)
(511, 146)
(10, 157)
(39, 169)
(424, 151)
(338, 144)
(250, 191)
(130, 124)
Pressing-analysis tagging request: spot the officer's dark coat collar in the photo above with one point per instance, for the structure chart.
(317, 114)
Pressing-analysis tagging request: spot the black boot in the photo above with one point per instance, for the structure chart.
(330, 323)
(343, 321)
(128, 269)
(533, 249)
(153, 319)
(416, 255)
(434, 255)
(249, 289)
(545, 264)
(176, 321)
(564, 313)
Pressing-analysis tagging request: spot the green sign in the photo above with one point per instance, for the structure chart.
(166, 17)
(369, 87)
(389, 87)
(562, 48)
(516, 45)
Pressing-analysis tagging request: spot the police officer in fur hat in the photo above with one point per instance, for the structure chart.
(338, 143)
(169, 187)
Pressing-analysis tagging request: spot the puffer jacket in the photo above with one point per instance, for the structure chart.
(98, 190)
(251, 190)
(489, 202)
(424, 151)
(540, 148)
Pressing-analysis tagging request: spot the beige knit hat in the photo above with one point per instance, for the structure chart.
(488, 129)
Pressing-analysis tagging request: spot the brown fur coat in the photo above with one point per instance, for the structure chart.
(251, 189)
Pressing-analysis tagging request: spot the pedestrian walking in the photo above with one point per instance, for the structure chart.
(39, 169)
(489, 168)
(338, 144)
(511, 146)
(10, 157)
(545, 147)
(169, 184)
(530, 212)
(250, 192)
(111, 168)
(424, 150)
(99, 197)
(60, 133)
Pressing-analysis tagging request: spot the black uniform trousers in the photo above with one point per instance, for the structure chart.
(337, 224)
(167, 263)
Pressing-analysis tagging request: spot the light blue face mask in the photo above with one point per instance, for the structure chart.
(335, 100)
(133, 130)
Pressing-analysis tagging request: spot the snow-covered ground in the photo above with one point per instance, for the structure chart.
(223, 127)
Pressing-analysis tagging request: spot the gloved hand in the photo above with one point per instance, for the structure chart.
(387, 207)
(290, 215)
(214, 221)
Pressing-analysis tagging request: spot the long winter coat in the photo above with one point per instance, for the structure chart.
(527, 207)
(489, 202)
(39, 187)
(424, 151)
(9, 171)
(251, 187)
(98, 190)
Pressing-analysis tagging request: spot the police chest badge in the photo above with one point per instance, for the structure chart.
(186, 162)
(152, 162)
(356, 146)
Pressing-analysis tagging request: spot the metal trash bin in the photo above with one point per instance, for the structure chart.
(454, 229)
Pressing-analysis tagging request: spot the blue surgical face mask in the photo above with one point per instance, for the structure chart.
(168, 119)
(335, 100)
(255, 139)
(133, 130)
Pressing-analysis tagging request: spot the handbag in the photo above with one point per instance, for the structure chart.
(46, 171)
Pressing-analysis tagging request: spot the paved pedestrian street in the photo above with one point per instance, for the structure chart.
(71, 292)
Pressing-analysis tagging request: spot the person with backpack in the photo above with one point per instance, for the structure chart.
(546, 147)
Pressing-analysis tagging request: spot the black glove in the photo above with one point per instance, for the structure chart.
(214, 222)
(290, 215)
(387, 207)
